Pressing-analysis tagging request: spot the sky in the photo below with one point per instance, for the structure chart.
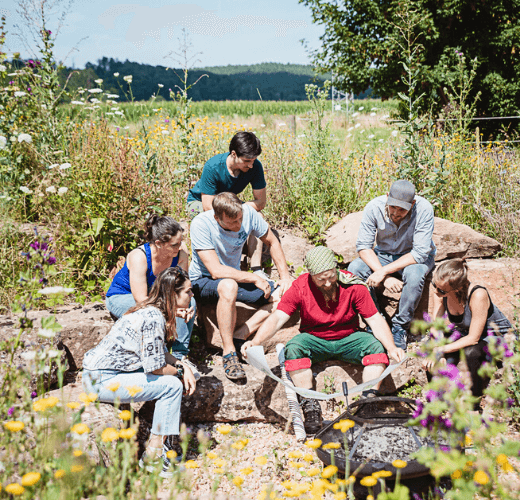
(221, 32)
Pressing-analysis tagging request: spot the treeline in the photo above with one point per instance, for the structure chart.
(268, 81)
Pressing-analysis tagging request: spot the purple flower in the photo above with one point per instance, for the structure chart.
(29, 90)
(34, 394)
(431, 395)
(455, 336)
(417, 497)
(51, 261)
(450, 371)
(426, 317)
(117, 128)
(35, 245)
(445, 449)
(11, 82)
(10, 411)
(166, 120)
(31, 63)
(510, 402)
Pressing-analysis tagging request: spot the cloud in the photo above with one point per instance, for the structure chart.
(148, 21)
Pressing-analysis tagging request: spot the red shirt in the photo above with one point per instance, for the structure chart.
(334, 322)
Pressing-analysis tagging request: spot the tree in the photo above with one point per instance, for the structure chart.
(360, 46)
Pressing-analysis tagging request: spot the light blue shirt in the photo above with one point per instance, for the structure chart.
(207, 234)
(414, 234)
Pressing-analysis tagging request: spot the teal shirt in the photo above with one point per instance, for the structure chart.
(216, 179)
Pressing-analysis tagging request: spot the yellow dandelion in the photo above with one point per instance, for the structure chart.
(87, 398)
(341, 495)
(457, 474)
(329, 471)
(370, 497)
(14, 425)
(468, 439)
(238, 481)
(502, 459)
(344, 425)
(224, 429)
(77, 453)
(260, 460)
(296, 465)
(73, 405)
(80, 429)
(125, 415)
(399, 464)
(191, 464)
(350, 480)
(76, 468)
(218, 470)
(368, 481)
(114, 386)
(313, 472)
(381, 473)
(31, 478)
(109, 434)
(295, 454)
(171, 454)
(481, 477)
(59, 473)
(308, 457)
(133, 390)
(127, 433)
(331, 446)
(14, 489)
(239, 445)
(219, 462)
(313, 443)
(246, 471)
(211, 455)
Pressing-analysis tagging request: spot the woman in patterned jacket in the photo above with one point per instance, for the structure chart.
(132, 363)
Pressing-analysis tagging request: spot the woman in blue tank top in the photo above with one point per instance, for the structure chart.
(470, 309)
(164, 248)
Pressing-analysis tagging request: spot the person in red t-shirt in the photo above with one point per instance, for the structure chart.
(329, 302)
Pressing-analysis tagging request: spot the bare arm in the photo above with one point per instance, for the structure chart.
(183, 257)
(269, 327)
(260, 198)
(137, 266)
(279, 260)
(217, 270)
(479, 306)
(382, 333)
(207, 201)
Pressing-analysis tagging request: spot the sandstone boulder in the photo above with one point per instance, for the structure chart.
(295, 248)
(451, 239)
(207, 316)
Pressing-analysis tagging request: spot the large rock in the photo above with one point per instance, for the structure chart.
(207, 315)
(295, 248)
(451, 239)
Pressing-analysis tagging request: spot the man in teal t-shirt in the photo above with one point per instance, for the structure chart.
(232, 172)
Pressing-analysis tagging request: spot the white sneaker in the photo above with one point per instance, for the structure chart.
(262, 274)
(192, 367)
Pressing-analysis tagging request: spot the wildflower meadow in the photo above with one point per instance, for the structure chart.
(78, 177)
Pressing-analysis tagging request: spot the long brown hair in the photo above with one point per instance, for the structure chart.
(455, 273)
(163, 295)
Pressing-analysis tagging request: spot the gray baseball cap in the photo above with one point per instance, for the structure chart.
(402, 194)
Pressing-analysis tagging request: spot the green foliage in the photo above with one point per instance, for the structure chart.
(358, 45)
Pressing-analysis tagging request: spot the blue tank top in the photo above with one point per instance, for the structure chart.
(121, 283)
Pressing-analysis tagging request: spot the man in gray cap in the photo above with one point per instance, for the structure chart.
(401, 226)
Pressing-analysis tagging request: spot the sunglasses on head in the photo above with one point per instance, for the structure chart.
(440, 290)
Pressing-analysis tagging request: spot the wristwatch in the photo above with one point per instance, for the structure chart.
(180, 370)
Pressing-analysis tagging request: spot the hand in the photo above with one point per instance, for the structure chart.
(393, 284)
(189, 381)
(185, 314)
(285, 284)
(245, 347)
(376, 278)
(263, 285)
(397, 354)
(429, 363)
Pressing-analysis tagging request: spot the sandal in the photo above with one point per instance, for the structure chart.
(232, 367)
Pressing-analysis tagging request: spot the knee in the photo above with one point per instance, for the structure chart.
(359, 268)
(172, 384)
(294, 351)
(415, 275)
(228, 289)
(474, 353)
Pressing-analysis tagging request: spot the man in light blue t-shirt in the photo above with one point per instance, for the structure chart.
(231, 173)
(217, 238)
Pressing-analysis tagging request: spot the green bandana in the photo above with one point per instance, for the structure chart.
(321, 259)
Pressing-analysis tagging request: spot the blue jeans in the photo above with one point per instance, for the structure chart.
(166, 390)
(413, 277)
(119, 304)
